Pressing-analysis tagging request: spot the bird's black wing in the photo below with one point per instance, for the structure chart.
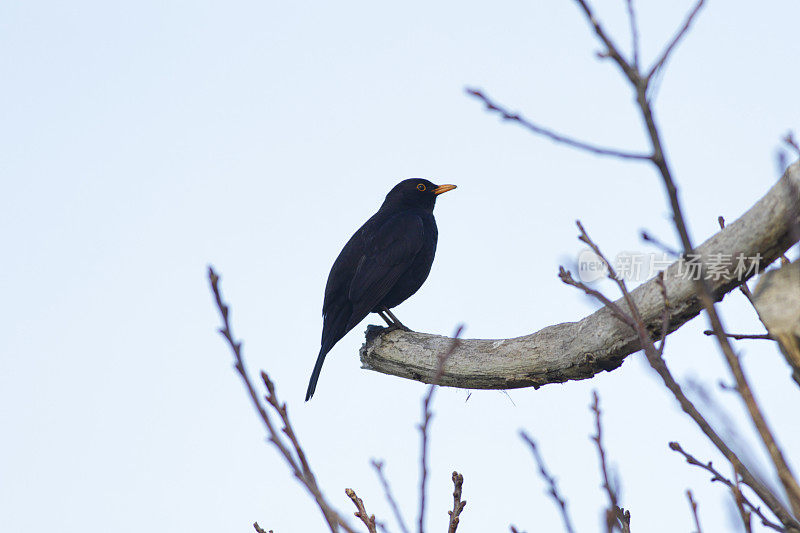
(388, 253)
(341, 274)
(375, 259)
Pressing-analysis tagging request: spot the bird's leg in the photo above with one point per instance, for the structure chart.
(396, 321)
(386, 318)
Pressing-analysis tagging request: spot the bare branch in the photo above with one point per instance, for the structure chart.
(550, 134)
(565, 352)
(297, 462)
(584, 238)
(702, 288)
(612, 50)
(657, 363)
(675, 40)
(741, 336)
(638, 324)
(551, 483)
(785, 474)
(717, 476)
(693, 505)
(705, 293)
(789, 140)
(612, 511)
(634, 33)
(361, 512)
(658, 244)
(738, 497)
(458, 503)
(566, 277)
(426, 417)
(378, 465)
(655, 359)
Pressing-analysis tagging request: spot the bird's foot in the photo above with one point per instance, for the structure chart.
(396, 325)
(393, 322)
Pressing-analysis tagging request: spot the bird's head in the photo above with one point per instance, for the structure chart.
(416, 192)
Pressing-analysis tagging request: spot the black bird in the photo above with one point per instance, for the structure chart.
(384, 262)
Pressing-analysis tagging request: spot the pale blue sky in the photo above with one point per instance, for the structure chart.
(141, 141)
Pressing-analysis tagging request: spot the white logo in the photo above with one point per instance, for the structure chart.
(591, 267)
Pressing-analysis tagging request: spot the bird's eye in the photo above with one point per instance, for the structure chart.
(421, 187)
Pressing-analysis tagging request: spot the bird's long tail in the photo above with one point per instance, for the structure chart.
(312, 384)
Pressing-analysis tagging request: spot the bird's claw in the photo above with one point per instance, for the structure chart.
(396, 325)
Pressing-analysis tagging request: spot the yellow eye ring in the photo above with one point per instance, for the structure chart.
(421, 187)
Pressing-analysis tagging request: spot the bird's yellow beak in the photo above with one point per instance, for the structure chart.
(443, 188)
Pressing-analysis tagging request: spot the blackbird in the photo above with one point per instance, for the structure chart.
(384, 262)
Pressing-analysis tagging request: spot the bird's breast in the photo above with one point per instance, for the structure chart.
(413, 278)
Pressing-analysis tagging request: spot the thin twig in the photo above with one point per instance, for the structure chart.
(785, 474)
(611, 510)
(693, 505)
(378, 465)
(657, 363)
(634, 33)
(297, 461)
(741, 336)
(551, 483)
(635, 315)
(426, 417)
(612, 51)
(361, 512)
(658, 244)
(738, 497)
(639, 83)
(550, 134)
(675, 40)
(567, 278)
(789, 140)
(584, 238)
(717, 476)
(458, 503)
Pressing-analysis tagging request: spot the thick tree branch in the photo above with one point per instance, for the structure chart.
(600, 341)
